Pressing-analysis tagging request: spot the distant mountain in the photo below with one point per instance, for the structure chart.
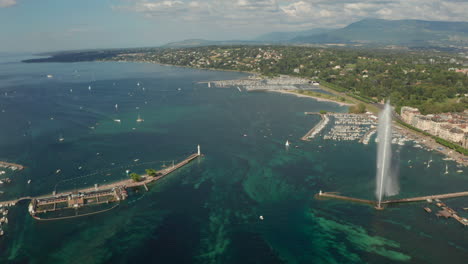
(409, 33)
(395, 32)
(286, 36)
(202, 42)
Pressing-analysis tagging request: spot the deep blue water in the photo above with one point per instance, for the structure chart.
(207, 212)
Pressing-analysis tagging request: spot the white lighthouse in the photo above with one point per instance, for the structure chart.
(199, 152)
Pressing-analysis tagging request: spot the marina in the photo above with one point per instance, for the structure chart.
(347, 127)
(255, 82)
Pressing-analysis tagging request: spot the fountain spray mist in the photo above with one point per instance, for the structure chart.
(386, 180)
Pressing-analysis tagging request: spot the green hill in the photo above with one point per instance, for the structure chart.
(395, 32)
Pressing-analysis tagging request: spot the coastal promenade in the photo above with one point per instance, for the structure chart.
(128, 183)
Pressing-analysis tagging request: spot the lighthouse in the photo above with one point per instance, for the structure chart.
(199, 152)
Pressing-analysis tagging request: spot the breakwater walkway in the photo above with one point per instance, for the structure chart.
(10, 165)
(317, 128)
(404, 200)
(128, 183)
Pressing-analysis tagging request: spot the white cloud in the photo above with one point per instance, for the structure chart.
(270, 15)
(7, 3)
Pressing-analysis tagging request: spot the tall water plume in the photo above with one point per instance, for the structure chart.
(387, 184)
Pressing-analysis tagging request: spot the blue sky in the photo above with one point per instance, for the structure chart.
(45, 25)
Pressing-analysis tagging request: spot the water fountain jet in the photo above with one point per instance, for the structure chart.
(386, 184)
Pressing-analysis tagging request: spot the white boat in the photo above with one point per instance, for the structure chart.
(429, 163)
(287, 143)
(58, 171)
(117, 120)
(139, 119)
(116, 107)
(71, 90)
(261, 217)
(29, 181)
(50, 76)
(138, 84)
(209, 85)
(239, 89)
(446, 169)
(61, 138)
(459, 171)
(179, 89)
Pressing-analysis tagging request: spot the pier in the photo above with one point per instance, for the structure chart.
(322, 195)
(445, 212)
(12, 166)
(404, 200)
(424, 198)
(112, 192)
(317, 128)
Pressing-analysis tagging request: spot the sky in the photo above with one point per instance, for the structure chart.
(50, 25)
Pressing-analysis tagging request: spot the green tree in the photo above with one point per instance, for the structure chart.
(151, 172)
(135, 177)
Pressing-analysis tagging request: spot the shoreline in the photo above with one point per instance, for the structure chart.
(427, 141)
(432, 145)
(320, 99)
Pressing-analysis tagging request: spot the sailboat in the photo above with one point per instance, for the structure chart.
(89, 87)
(446, 169)
(429, 163)
(116, 107)
(287, 143)
(209, 85)
(139, 119)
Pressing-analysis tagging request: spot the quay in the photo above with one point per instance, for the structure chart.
(112, 192)
(366, 138)
(317, 128)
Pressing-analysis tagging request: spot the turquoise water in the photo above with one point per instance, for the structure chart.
(207, 212)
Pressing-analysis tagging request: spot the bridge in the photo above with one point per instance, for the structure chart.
(14, 202)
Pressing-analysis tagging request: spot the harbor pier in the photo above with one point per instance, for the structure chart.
(317, 128)
(109, 193)
(446, 211)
